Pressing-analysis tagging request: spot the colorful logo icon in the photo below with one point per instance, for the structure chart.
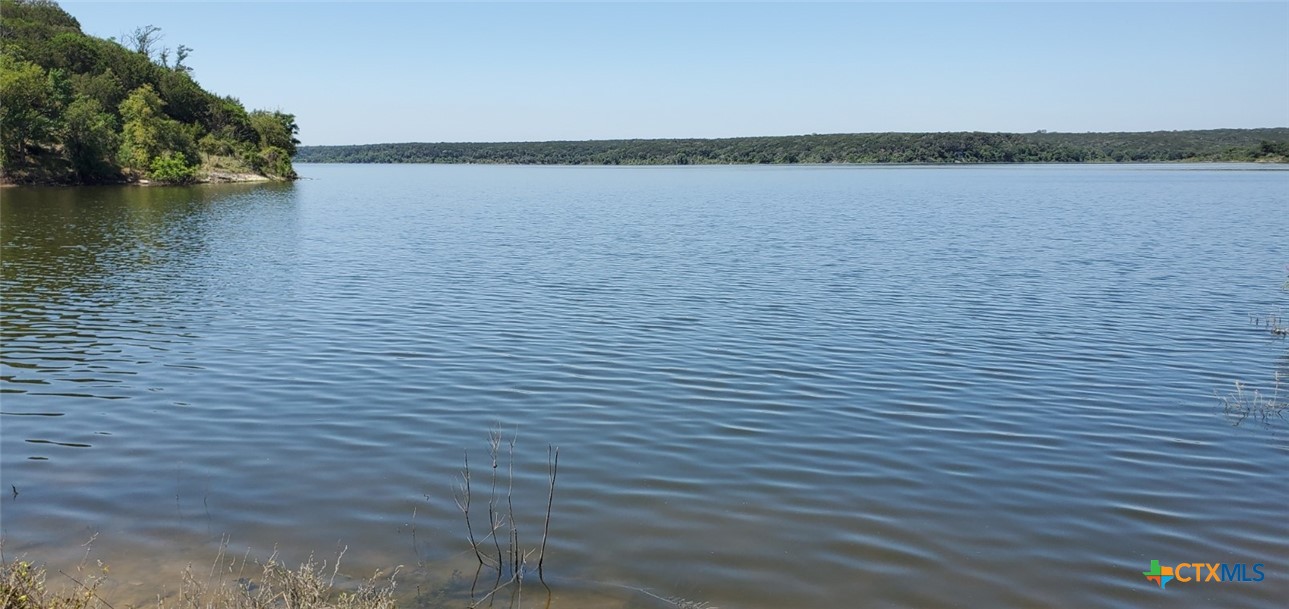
(1204, 572)
(1159, 575)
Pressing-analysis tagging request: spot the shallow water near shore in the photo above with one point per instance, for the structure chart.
(771, 386)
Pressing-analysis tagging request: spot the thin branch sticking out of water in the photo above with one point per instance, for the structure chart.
(1273, 323)
(510, 563)
(463, 503)
(552, 466)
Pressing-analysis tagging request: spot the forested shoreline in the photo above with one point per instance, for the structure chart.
(77, 109)
(1265, 145)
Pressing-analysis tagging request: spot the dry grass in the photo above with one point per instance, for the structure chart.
(311, 585)
(24, 585)
(1242, 405)
(228, 584)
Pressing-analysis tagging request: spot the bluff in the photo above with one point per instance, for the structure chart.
(78, 109)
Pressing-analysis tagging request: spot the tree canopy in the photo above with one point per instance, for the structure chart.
(965, 147)
(79, 109)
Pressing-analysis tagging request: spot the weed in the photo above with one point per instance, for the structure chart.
(23, 585)
(1242, 405)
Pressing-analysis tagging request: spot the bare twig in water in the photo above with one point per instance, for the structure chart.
(496, 587)
(511, 562)
(494, 519)
(510, 507)
(1273, 323)
(552, 466)
(463, 503)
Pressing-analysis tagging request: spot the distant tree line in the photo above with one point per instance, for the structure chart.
(959, 147)
(80, 109)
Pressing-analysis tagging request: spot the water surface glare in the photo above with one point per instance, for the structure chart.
(771, 386)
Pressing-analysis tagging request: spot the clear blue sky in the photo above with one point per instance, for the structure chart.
(355, 72)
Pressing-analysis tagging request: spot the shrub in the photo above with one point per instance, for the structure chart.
(173, 168)
(276, 161)
(210, 144)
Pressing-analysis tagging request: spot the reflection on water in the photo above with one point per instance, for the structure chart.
(99, 280)
(772, 387)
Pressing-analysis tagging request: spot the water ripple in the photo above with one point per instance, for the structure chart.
(772, 387)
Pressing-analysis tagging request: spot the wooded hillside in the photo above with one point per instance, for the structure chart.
(76, 109)
(963, 147)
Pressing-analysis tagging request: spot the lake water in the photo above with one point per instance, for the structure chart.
(771, 386)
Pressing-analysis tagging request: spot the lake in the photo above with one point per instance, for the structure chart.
(814, 386)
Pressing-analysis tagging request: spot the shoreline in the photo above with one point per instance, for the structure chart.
(894, 148)
(1284, 161)
(211, 177)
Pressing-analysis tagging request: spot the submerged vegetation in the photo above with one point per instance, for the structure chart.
(1266, 145)
(235, 582)
(1265, 407)
(76, 109)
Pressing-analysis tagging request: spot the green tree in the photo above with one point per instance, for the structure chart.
(74, 52)
(276, 129)
(1271, 149)
(185, 100)
(104, 87)
(141, 136)
(229, 120)
(28, 110)
(28, 26)
(148, 132)
(90, 140)
(133, 70)
(182, 138)
(275, 161)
